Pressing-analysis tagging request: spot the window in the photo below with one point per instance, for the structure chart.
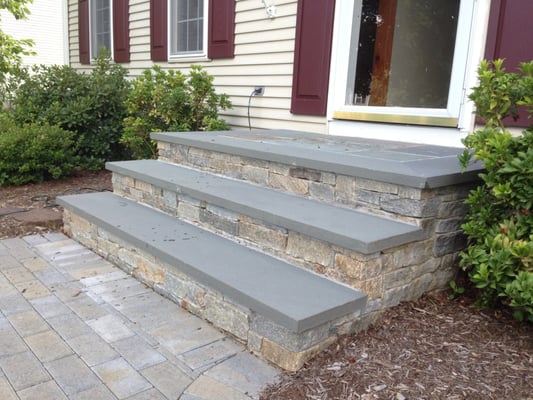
(187, 27)
(194, 36)
(100, 26)
(403, 61)
(103, 23)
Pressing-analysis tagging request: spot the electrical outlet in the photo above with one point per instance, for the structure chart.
(259, 91)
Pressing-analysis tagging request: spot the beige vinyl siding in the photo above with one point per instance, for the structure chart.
(264, 54)
(74, 51)
(46, 26)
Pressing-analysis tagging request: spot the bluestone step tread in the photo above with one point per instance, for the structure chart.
(415, 165)
(351, 229)
(290, 296)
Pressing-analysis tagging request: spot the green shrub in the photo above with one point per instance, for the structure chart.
(499, 257)
(33, 153)
(92, 106)
(170, 101)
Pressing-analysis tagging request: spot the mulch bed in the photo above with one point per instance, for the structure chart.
(432, 348)
(29, 209)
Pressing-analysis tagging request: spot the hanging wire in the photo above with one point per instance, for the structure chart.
(255, 92)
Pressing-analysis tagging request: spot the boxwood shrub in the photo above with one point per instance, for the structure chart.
(33, 152)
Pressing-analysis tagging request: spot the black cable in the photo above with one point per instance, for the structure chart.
(16, 212)
(249, 103)
(255, 92)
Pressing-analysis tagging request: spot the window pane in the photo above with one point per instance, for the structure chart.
(183, 11)
(100, 26)
(186, 26)
(194, 8)
(404, 53)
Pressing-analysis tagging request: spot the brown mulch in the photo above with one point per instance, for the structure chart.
(29, 209)
(432, 348)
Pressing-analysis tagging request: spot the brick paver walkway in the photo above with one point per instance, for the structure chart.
(74, 326)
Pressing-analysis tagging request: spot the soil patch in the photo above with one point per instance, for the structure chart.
(29, 209)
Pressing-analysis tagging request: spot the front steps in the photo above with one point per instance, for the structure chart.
(247, 231)
(186, 192)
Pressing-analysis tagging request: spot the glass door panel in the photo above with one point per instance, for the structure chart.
(402, 53)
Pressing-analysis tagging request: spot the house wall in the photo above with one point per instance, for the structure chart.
(263, 56)
(46, 26)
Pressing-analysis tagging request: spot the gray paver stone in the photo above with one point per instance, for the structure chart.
(7, 261)
(48, 346)
(168, 379)
(121, 378)
(34, 240)
(151, 394)
(44, 391)
(187, 335)
(99, 279)
(23, 370)
(92, 349)
(28, 323)
(51, 275)
(87, 308)
(32, 289)
(111, 328)
(18, 248)
(245, 373)
(10, 342)
(207, 388)
(17, 275)
(211, 354)
(69, 325)
(99, 392)
(71, 374)
(138, 352)
(49, 306)
(6, 391)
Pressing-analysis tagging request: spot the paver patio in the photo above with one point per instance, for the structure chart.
(74, 326)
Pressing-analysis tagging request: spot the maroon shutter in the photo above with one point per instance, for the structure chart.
(158, 30)
(221, 43)
(509, 37)
(312, 54)
(121, 31)
(83, 31)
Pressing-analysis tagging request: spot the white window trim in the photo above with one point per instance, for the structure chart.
(190, 57)
(111, 50)
(472, 24)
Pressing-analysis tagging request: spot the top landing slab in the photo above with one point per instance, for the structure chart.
(410, 164)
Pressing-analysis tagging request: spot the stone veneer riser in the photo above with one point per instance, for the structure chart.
(263, 337)
(419, 185)
(408, 204)
(439, 211)
(388, 277)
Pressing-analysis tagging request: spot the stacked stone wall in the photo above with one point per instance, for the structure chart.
(387, 277)
(262, 336)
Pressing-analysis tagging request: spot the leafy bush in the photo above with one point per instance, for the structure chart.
(11, 49)
(170, 101)
(33, 153)
(92, 106)
(499, 258)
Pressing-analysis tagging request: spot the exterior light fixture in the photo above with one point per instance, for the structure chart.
(270, 9)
